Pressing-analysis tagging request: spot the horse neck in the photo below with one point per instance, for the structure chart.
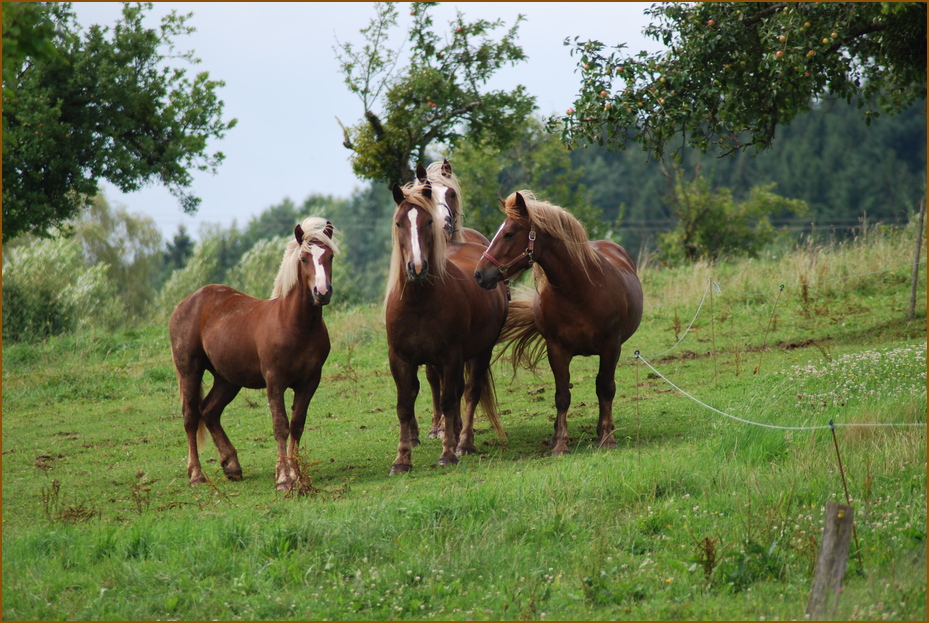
(561, 269)
(298, 306)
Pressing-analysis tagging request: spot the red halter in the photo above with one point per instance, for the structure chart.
(505, 267)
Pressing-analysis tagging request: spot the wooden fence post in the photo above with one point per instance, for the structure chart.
(919, 243)
(832, 561)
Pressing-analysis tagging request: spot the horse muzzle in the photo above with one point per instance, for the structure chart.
(413, 275)
(487, 278)
(324, 298)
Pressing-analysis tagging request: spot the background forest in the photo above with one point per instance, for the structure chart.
(830, 175)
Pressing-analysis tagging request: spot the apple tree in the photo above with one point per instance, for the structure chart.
(437, 98)
(732, 71)
(114, 104)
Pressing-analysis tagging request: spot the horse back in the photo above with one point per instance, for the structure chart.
(615, 255)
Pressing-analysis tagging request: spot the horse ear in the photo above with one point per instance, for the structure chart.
(427, 190)
(521, 207)
(420, 172)
(446, 168)
(398, 193)
(328, 230)
(298, 233)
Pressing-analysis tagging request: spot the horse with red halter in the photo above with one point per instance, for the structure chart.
(588, 301)
(446, 192)
(437, 315)
(248, 342)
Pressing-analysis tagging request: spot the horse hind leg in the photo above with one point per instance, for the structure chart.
(220, 395)
(477, 379)
(606, 391)
(191, 398)
(435, 384)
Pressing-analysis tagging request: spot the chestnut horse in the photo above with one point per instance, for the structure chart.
(446, 192)
(247, 342)
(438, 316)
(588, 301)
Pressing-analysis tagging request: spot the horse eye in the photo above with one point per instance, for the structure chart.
(508, 236)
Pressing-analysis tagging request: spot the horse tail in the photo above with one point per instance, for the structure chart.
(489, 402)
(521, 336)
(201, 435)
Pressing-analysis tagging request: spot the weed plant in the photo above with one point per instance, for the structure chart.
(693, 516)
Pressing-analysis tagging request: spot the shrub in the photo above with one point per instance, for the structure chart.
(48, 289)
(255, 272)
(712, 224)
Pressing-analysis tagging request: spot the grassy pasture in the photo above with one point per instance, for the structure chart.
(693, 516)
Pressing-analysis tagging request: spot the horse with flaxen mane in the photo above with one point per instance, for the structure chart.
(446, 192)
(588, 301)
(436, 315)
(248, 342)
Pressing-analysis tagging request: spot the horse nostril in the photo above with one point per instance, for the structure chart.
(479, 277)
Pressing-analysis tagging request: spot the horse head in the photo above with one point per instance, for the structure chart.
(511, 250)
(419, 236)
(315, 262)
(444, 192)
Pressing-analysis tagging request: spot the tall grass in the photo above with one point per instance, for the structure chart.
(693, 516)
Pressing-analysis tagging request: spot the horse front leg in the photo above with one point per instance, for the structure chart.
(435, 384)
(560, 362)
(404, 375)
(285, 473)
(302, 398)
(606, 391)
(452, 389)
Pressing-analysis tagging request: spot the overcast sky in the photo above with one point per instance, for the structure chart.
(284, 86)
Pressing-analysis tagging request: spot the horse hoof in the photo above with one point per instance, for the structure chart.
(414, 442)
(436, 434)
(560, 452)
(399, 469)
(234, 476)
(284, 487)
(465, 451)
(197, 481)
(445, 461)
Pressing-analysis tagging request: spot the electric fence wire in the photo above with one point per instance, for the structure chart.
(829, 426)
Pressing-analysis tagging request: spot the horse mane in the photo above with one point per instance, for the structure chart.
(436, 175)
(558, 223)
(312, 227)
(395, 276)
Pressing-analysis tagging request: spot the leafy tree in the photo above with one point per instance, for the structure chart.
(279, 220)
(114, 105)
(129, 245)
(712, 224)
(437, 99)
(732, 72)
(360, 271)
(537, 161)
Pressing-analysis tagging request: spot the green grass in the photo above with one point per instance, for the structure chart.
(693, 516)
